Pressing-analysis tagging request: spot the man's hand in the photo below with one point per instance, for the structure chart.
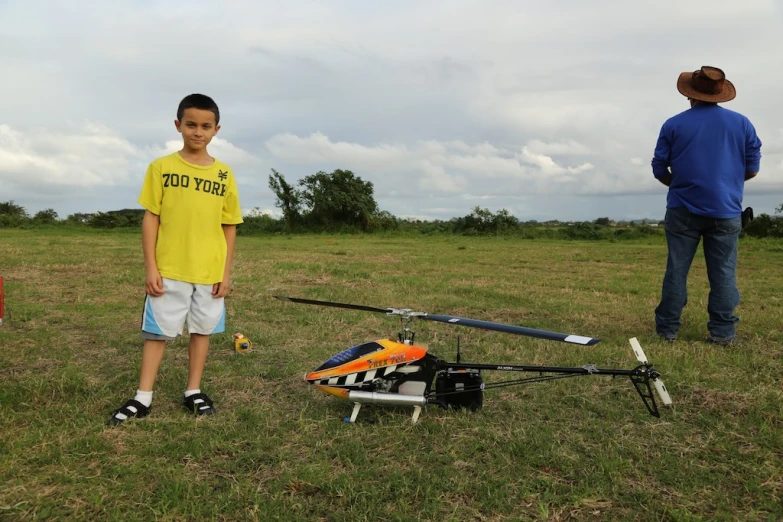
(154, 283)
(666, 179)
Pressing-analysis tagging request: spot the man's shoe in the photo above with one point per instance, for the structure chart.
(724, 341)
(668, 337)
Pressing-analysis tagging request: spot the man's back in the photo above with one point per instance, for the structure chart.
(709, 150)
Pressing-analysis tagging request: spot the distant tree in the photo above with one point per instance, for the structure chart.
(503, 221)
(11, 209)
(338, 199)
(105, 220)
(45, 217)
(384, 221)
(79, 218)
(480, 220)
(12, 215)
(483, 221)
(289, 200)
(128, 217)
(779, 210)
(255, 212)
(602, 221)
(765, 225)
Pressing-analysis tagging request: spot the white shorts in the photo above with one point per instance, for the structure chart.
(164, 316)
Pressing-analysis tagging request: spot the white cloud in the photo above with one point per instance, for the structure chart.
(563, 148)
(318, 148)
(88, 156)
(441, 168)
(90, 160)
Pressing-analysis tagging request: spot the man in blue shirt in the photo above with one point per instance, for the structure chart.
(704, 155)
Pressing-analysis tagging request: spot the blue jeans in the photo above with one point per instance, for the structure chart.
(683, 232)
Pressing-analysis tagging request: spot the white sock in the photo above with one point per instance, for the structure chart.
(188, 393)
(143, 397)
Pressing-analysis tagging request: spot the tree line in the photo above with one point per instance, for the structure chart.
(342, 202)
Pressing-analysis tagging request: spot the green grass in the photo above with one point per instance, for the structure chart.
(278, 449)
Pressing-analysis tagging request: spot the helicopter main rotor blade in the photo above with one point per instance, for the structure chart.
(450, 319)
(507, 328)
(333, 304)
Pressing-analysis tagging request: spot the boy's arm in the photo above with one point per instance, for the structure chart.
(149, 240)
(221, 289)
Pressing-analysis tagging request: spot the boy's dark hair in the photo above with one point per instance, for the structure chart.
(198, 101)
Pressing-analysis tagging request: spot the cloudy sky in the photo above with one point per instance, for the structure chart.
(550, 110)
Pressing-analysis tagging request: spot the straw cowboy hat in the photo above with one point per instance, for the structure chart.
(708, 84)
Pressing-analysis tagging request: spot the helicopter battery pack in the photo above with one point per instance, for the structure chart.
(460, 389)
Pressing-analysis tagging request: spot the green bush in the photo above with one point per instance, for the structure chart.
(261, 224)
(765, 225)
(583, 230)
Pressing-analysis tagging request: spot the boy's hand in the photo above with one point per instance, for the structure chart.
(154, 283)
(221, 289)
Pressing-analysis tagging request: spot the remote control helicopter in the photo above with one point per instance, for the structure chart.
(401, 373)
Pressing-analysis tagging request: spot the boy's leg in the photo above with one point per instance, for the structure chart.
(139, 406)
(206, 317)
(198, 349)
(151, 356)
(162, 319)
(195, 401)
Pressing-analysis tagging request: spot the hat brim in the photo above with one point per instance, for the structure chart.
(728, 92)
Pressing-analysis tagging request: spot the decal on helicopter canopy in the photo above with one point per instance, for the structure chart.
(392, 359)
(351, 354)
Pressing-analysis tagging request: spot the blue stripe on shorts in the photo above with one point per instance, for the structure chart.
(221, 326)
(150, 325)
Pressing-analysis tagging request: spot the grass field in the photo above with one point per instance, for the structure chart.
(583, 449)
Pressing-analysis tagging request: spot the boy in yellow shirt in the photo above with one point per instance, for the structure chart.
(188, 236)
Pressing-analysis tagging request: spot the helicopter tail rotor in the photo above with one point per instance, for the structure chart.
(645, 376)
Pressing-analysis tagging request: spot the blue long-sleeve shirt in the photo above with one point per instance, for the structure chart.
(709, 149)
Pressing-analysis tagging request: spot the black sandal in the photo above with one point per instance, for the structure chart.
(199, 404)
(138, 411)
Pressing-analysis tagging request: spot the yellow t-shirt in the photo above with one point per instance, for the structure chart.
(193, 202)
